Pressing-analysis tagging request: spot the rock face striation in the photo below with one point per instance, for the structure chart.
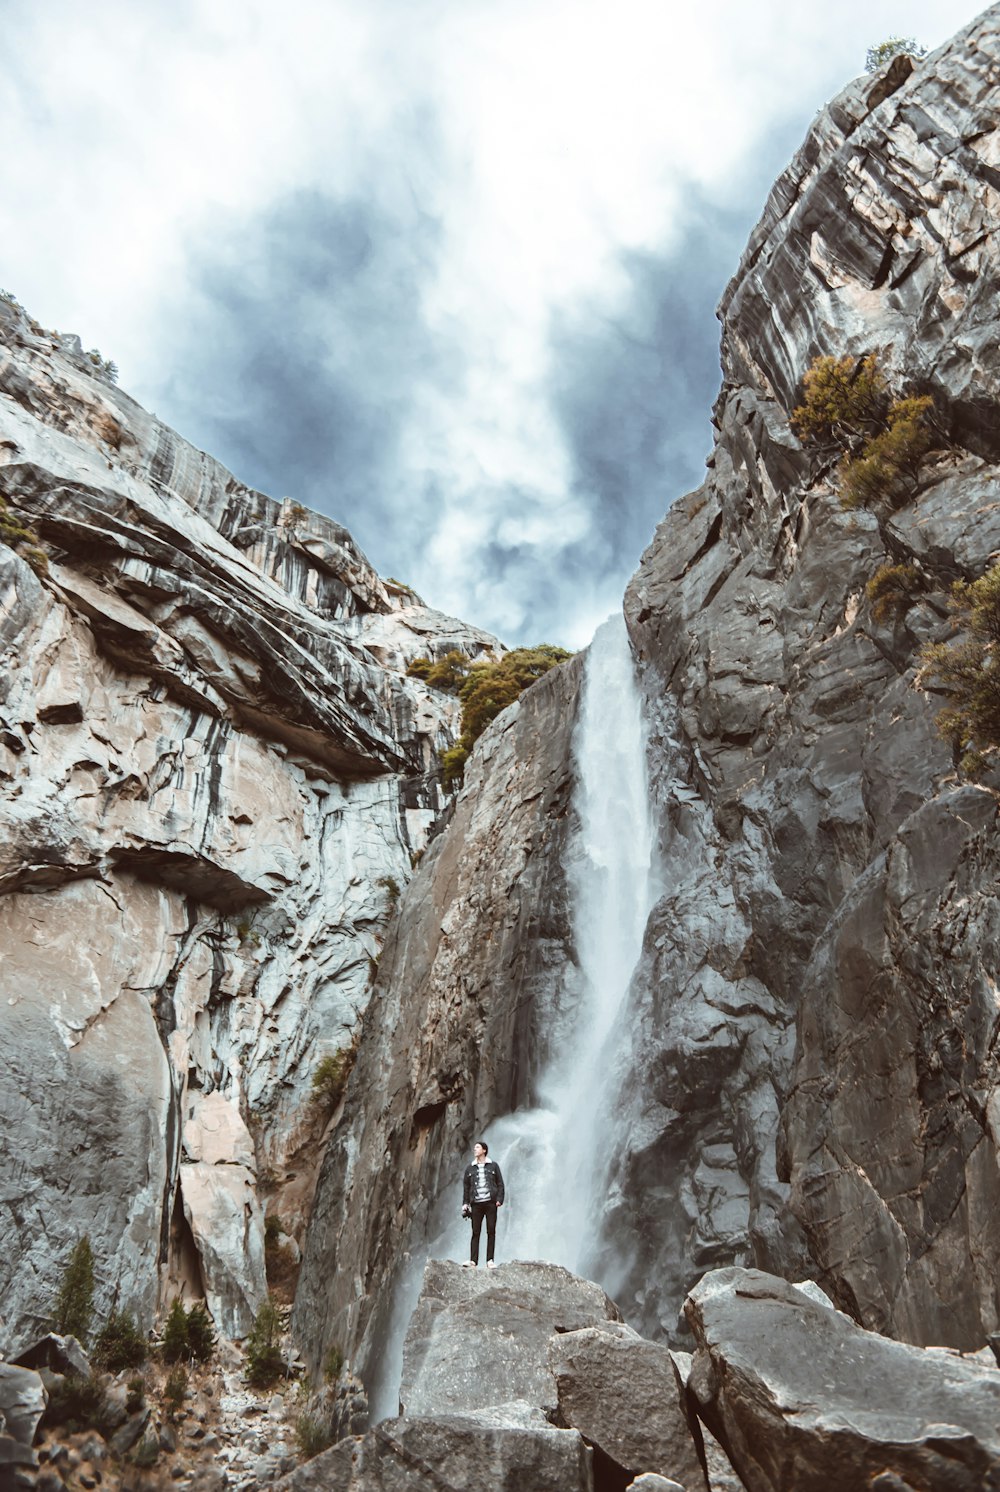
(215, 778)
(810, 1082)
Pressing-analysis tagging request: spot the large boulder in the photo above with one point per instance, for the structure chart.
(58, 1354)
(452, 1453)
(624, 1396)
(22, 1402)
(481, 1337)
(803, 1400)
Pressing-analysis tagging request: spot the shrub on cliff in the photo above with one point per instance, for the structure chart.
(330, 1079)
(876, 57)
(448, 673)
(846, 407)
(888, 463)
(489, 688)
(968, 669)
(892, 591)
(22, 539)
(75, 1301)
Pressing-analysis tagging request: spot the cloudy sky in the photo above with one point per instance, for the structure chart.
(444, 269)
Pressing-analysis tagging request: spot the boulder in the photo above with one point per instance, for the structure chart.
(481, 1337)
(58, 1354)
(18, 1465)
(803, 1400)
(624, 1396)
(452, 1453)
(649, 1481)
(22, 1402)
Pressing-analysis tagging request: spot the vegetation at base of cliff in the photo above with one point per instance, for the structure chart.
(74, 1304)
(489, 688)
(120, 1344)
(175, 1389)
(876, 57)
(23, 540)
(187, 1334)
(969, 672)
(882, 441)
(333, 1364)
(78, 1404)
(264, 1362)
(892, 590)
(330, 1079)
(311, 1436)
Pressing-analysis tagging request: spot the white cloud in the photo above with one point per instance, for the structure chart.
(541, 138)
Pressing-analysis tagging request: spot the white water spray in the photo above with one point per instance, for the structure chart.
(553, 1155)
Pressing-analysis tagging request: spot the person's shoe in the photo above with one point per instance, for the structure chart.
(490, 1264)
(468, 1263)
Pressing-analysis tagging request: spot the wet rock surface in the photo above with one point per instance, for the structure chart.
(804, 1400)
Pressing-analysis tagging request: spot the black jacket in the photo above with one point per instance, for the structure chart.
(494, 1181)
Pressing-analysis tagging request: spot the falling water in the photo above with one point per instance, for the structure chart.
(553, 1153)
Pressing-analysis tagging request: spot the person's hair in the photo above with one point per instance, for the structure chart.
(485, 1147)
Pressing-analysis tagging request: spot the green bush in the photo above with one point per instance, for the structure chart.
(876, 57)
(311, 1436)
(200, 1333)
(120, 1344)
(391, 887)
(447, 674)
(77, 1404)
(843, 397)
(889, 462)
(175, 1389)
(882, 443)
(489, 688)
(333, 1364)
(22, 539)
(892, 590)
(264, 1362)
(75, 1302)
(330, 1079)
(969, 672)
(187, 1334)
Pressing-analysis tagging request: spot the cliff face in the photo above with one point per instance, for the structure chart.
(809, 1046)
(215, 775)
(467, 1000)
(816, 1011)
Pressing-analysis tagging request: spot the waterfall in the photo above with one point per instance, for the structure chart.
(553, 1154)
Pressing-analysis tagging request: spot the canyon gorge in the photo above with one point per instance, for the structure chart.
(228, 854)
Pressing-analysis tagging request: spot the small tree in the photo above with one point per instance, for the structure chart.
(75, 1302)
(893, 46)
(264, 1363)
(120, 1343)
(969, 670)
(330, 1078)
(200, 1333)
(175, 1333)
(175, 1389)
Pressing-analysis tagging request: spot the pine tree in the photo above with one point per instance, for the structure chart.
(175, 1333)
(75, 1302)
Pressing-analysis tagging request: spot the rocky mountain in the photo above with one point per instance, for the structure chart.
(219, 787)
(807, 1070)
(216, 777)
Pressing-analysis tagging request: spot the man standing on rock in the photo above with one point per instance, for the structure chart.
(482, 1194)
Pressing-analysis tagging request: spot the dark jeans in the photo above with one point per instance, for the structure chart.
(480, 1210)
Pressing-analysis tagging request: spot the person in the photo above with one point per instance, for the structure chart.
(482, 1194)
